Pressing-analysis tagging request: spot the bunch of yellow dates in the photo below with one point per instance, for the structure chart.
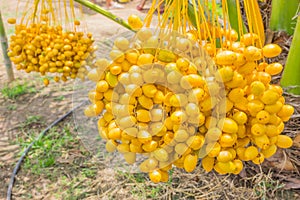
(255, 107)
(163, 97)
(43, 48)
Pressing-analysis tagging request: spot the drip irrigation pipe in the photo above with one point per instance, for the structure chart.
(17, 167)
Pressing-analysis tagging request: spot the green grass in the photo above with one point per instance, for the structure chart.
(266, 187)
(30, 121)
(46, 150)
(59, 98)
(140, 184)
(15, 91)
(89, 172)
(12, 107)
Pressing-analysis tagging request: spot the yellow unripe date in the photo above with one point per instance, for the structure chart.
(224, 156)
(270, 151)
(226, 58)
(225, 74)
(284, 141)
(115, 70)
(146, 102)
(271, 50)
(111, 79)
(228, 140)
(143, 115)
(273, 108)
(254, 106)
(274, 68)
(257, 88)
(161, 155)
(225, 167)
(150, 146)
(182, 64)
(144, 34)
(249, 38)
(155, 176)
(250, 152)
(286, 111)
(242, 142)
(213, 149)
(102, 86)
(46, 81)
(130, 157)
(228, 125)
(181, 135)
(252, 53)
(213, 134)
(240, 152)
(123, 148)
(195, 142)
(269, 97)
(132, 57)
(178, 117)
(238, 166)
(164, 175)
(11, 20)
(135, 22)
(262, 141)
(117, 56)
(144, 136)
(263, 117)
(272, 130)
(190, 162)
(114, 134)
(93, 75)
(148, 165)
(111, 146)
(259, 159)
(149, 90)
(240, 117)
(93, 110)
(145, 59)
(159, 97)
(122, 43)
(181, 148)
(127, 122)
(247, 68)
(236, 94)
(241, 60)
(178, 100)
(208, 163)
(237, 80)
(264, 77)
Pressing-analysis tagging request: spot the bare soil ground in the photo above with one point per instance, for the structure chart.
(60, 166)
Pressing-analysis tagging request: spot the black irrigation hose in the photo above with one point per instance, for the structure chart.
(17, 167)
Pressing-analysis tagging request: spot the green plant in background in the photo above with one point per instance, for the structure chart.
(234, 17)
(291, 75)
(283, 15)
(13, 92)
(59, 98)
(12, 107)
(284, 18)
(32, 119)
(45, 150)
(192, 13)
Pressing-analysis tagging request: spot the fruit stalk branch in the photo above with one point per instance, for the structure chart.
(104, 12)
(4, 45)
